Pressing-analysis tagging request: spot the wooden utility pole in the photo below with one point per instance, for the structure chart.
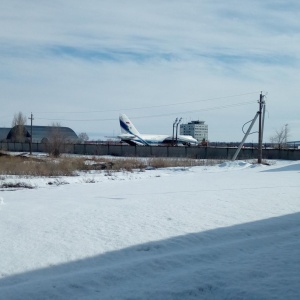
(31, 119)
(260, 127)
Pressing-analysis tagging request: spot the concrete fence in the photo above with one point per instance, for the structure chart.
(157, 151)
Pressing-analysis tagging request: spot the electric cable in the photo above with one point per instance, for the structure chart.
(153, 116)
(244, 126)
(153, 106)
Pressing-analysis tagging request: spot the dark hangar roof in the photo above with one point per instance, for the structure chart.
(41, 133)
(3, 133)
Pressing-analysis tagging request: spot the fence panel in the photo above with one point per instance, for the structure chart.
(158, 151)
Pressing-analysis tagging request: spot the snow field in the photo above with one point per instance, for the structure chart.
(225, 232)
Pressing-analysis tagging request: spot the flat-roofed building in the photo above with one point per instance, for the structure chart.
(196, 129)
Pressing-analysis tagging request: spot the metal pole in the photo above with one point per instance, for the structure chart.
(286, 134)
(173, 131)
(260, 135)
(245, 136)
(31, 118)
(177, 130)
(263, 122)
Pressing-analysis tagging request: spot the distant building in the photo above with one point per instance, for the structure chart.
(40, 134)
(196, 129)
(3, 133)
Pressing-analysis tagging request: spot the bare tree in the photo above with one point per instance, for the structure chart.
(18, 123)
(56, 140)
(19, 119)
(281, 136)
(83, 137)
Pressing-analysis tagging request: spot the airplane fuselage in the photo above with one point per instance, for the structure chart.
(131, 136)
(155, 140)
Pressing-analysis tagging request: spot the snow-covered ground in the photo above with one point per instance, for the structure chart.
(230, 231)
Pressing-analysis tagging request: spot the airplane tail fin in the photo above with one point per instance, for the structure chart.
(127, 126)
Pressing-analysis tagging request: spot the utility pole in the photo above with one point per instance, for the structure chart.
(174, 124)
(286, 135)
(245, 137)
(260, 127)
(261, 115)
(177, 130)
(31, 119)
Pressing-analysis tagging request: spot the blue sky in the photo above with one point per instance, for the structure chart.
(82, 63)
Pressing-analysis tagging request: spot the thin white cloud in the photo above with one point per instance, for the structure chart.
(63, 56)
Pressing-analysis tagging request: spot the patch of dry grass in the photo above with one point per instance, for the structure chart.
(69, 166)
(16, 185)
(16, 165)
(159, 162)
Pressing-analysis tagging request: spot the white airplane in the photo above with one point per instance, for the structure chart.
(131, 136)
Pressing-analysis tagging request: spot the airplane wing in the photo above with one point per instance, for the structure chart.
(132, 139)
(168, 139)
(126, 136)
(184, 139)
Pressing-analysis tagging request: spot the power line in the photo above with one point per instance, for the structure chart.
(158, 115)
(199, 110)
(153, 106)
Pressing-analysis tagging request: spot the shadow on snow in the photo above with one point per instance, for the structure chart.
(257, 260)
(294, 167)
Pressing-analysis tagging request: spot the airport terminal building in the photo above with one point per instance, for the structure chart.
(196, 129)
